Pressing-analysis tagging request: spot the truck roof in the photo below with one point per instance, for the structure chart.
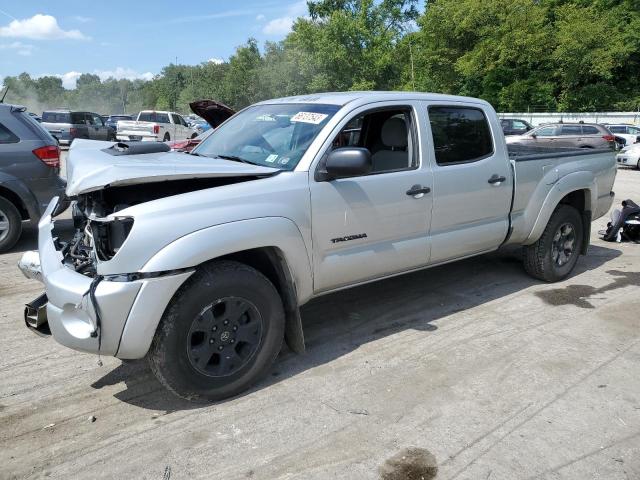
(159, 111)
(343, 98)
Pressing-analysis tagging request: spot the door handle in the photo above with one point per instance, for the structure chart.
(495, 178)
(417, 190)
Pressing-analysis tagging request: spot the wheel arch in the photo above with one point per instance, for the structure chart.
(272, 245)
(17, 201)
(271, 262)
(578, 190)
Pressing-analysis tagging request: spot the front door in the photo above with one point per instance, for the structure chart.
(373, 225)
(472, 182)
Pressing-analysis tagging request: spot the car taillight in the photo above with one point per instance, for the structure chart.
(73, 132)
(50, 155)
(609, 138)
(156, 129)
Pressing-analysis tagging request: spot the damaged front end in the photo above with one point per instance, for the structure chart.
(99, 234)
(99, 298)
(81, 308)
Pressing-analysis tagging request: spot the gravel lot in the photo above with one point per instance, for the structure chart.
(495, 374)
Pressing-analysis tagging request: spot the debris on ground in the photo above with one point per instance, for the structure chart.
(410, 464)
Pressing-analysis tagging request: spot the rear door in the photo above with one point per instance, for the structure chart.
(570, 136)
(472, 181)
(592, 137)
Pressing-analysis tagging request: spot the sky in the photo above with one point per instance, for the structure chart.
(132, 39)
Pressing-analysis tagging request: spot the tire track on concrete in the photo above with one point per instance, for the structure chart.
(559, 396)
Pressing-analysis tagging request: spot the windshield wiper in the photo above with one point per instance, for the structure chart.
(234, 158)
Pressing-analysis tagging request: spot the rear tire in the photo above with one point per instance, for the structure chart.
(10, 224)
(194, 135)
(554, 255)
(166, 138)
(220, 333)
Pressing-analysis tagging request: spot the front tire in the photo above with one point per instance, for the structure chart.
(555, 254)
(10, 224)
(220, 333)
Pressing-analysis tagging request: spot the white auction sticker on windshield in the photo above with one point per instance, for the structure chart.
(309, 117)
(271, 158)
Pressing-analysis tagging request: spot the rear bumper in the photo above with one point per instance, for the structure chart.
(129, 310)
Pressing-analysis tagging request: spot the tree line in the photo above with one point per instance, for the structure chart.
(520, 55)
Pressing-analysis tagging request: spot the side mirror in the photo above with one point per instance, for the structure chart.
(348, 162)
(533, 135)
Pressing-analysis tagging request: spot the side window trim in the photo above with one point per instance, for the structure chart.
(413, 140)
(466, 107)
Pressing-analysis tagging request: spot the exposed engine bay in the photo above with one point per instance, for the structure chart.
(99, 232)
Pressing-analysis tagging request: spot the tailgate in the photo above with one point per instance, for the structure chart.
(135, 127)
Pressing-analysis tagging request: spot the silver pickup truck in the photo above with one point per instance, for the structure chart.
(201, 261)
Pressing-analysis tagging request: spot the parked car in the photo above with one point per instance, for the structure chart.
(630, 156)
(112, 121)
(152, 125)
(566, 135)
(515, 126)
(66, 125)
(630, 133)
(200, 262)
(29, 172)
(214, 112)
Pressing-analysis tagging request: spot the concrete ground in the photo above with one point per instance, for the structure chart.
(496, 375)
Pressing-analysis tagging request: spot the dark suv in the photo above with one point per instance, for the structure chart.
(65, 126)
(29, 172)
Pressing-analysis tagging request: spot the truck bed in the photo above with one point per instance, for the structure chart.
(537, 170)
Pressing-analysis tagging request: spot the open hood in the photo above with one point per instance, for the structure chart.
(91, 167)
(213, 112)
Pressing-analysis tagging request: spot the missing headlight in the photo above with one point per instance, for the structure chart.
(108, 237)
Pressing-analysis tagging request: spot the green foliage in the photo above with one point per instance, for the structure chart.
(518, 54)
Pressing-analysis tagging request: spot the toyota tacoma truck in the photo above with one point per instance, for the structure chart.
(154, 126)
(200, 262)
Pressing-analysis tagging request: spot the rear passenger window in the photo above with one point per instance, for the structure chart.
(571, 130)
(586, 130)
(162, 118)
(6, 136)
(460, 134)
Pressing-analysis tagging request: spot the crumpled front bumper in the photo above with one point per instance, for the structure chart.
(129, 310)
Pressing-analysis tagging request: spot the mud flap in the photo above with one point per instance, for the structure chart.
(586, 231)
(293, 333)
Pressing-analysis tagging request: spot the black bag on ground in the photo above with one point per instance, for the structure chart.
(624, 224)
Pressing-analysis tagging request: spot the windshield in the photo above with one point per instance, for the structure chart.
(269, 135)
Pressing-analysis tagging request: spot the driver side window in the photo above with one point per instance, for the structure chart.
(387, 134)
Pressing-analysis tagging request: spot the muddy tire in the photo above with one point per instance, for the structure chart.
(554, 255)
(10, 224)
(220, 333)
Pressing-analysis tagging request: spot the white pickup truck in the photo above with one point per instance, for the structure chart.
(155, 126)
(201, 261)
